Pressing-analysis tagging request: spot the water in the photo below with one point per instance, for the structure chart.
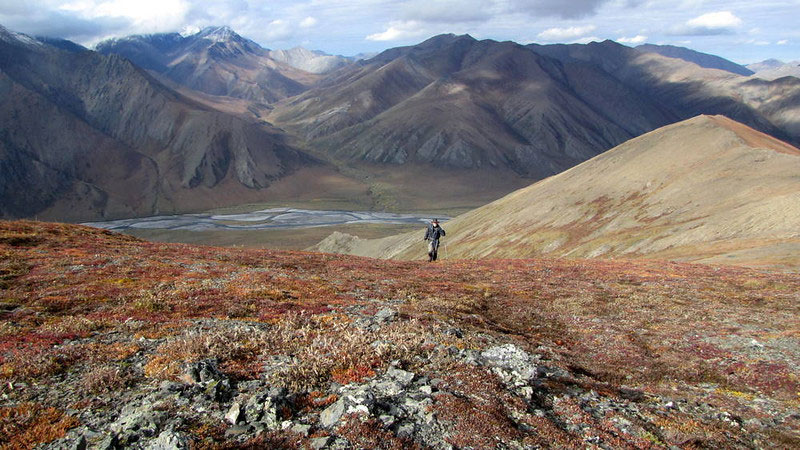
(260, 220)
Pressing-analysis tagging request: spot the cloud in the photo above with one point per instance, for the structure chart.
(638, 39)
(399, 30)
(61, 24)
(782, 42)
(710, 24)
(448, 11)
(308, 22)
(277, 30)
(565, 34)
(572, 9)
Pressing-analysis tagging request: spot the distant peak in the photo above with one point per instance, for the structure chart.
(218, 33)
(14, 37)
(447, 39)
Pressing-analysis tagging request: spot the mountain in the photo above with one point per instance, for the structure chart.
(705, 189)
(114, 342)
(215, 61)
(88, 136)
(310, 61)
(456, 102)
(693, 56)
(687, 90)
(772, 69)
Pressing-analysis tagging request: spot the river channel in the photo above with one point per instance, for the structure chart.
(259, 220)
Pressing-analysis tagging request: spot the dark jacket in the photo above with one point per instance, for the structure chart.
(434, 233)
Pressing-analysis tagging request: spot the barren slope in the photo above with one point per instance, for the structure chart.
(111, 342)
(215, 61)
(706, 189)
(456, 102)
(88, 136)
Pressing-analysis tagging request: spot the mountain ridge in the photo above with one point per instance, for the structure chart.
(685, 191)
(701, 59)
(95, 136)
(216, 61)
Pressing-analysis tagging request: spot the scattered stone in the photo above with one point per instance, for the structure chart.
(387, 420)
(201, 372)
(401, 376)
(238, 430)
(331, 415)
(301, 428)
(139, 420)
(110, 442)
(169, 440)
(385, 315)
(234, 414)
(320, 442)
(385, 389)
(405, 430)
(515, 365)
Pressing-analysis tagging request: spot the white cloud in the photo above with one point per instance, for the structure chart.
(565, 34)
(782, 42)
(638, 39)
(721, 19)
(308, 22)
(399, 30)
(710, 24)
(146, 15)
(277, 30)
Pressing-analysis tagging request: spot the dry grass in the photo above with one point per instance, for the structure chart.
(652, 326)
(28, 424)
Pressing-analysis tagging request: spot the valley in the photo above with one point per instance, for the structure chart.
(620, 268)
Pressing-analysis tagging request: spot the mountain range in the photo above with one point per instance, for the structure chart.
(772, 69)
(87, 135)
(699, 58)
(453, 101)
(706, 189)
(214, 61)
(213, 117)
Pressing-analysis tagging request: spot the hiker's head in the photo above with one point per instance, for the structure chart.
(435, 222)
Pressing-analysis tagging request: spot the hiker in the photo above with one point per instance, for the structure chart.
(432, 235)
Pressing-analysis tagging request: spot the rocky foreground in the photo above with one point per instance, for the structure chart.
(111, 342)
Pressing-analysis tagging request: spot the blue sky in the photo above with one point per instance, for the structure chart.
(742, 31)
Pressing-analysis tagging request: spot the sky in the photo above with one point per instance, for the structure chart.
(743, 31)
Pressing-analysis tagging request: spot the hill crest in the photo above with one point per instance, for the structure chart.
(705, 189)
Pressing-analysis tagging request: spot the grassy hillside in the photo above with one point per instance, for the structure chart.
(707, 189)
(109, 340)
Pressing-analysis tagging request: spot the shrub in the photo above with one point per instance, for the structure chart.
(105, 379)
(29, 424)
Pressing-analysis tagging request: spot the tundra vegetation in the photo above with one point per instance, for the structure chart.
(108, 340)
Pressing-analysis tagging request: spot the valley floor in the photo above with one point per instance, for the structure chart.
(110, 341)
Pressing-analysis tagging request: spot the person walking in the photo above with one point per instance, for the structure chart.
(432, 235)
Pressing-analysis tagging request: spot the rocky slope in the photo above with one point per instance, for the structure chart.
(457, 102)
(687, 90)
(215, 61)
(453, 101)
(706, 189)
(112, 342)
(772, 69)
(699, 58)
(88, 136)
(309, 60)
